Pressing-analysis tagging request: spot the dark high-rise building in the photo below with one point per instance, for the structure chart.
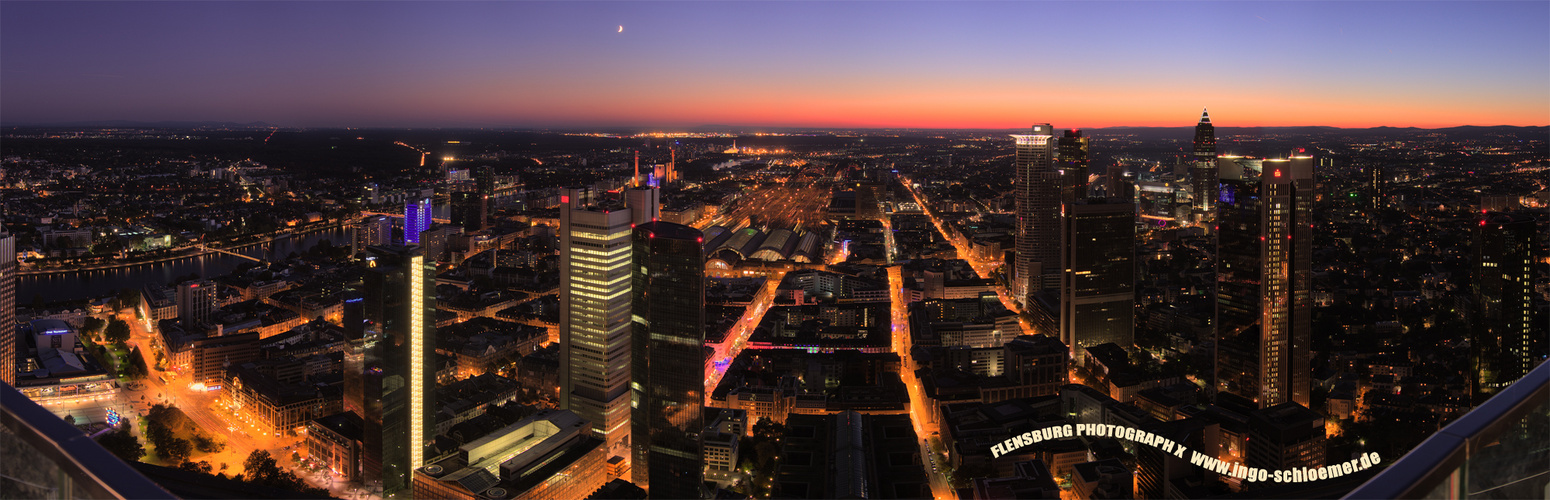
(484, 181)
(1073, 166)
(1506, 345)
(1097, 287)
(1379, 188)
(7, 308)
(668, 347)
(1038, 213)
(196, 302)
(469, 209)
(1285, 436)
(390, 370)
(1264, 279)
(1037, 360)
(1203, 174)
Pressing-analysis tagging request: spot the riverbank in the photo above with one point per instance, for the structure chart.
(191, 251)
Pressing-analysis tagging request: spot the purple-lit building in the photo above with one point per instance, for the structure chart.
(417, 218)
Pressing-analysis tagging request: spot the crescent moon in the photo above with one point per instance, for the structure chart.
(621, 29)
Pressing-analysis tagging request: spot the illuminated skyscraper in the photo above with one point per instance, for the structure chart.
(390, 372)
(7, 307)
(1098, 283)
(1379, 186)
(372, 231)
(668, 312)
(1038, 213)
(1204, 174)
(595, 314)
(1505, 344)
(417, 218)
(1073, 166)
(1264, 278)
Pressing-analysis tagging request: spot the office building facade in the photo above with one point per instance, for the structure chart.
(196, 302)
(8, 363)
(1264, 278)
(469, 209)
(1038, 213)
(668, 323)
(417, 218)
(1097, 284)
(595, 314)
(1073, 166)
(390, 369)
(644, 202)
(372, 231)
(1203, 174)
(1505, 343)
(1286, 436)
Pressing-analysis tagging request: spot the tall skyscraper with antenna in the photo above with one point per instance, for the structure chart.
(1203, 174)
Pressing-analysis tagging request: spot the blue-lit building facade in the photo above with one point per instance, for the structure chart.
(417, 218)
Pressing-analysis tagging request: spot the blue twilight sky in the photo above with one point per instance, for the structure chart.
(921, 64)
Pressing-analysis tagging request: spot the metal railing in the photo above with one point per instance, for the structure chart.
(42, 456)
(1501, 449)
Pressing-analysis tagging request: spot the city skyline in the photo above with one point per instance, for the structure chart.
(920, 65)
(739, 249)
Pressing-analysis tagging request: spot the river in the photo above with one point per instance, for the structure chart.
(78, 285)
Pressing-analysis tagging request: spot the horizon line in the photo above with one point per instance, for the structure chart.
(260, 124)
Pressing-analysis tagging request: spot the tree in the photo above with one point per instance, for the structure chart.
(123, 445)
(176, 450)
(137, 369)
(200, 466)
(128, 297)
(207, 444)
(93, 326)
(260, 467)
(117, 331)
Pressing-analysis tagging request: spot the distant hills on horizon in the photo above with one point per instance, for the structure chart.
(721, 128)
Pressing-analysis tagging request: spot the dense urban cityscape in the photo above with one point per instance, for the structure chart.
(475, 314)
(747, 250)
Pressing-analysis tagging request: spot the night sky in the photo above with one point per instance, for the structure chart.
(860, 64)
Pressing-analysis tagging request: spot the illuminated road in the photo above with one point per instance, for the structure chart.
(365, 213)
(981, 268)
(729, 349)
(239, 429)
(918, 412)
